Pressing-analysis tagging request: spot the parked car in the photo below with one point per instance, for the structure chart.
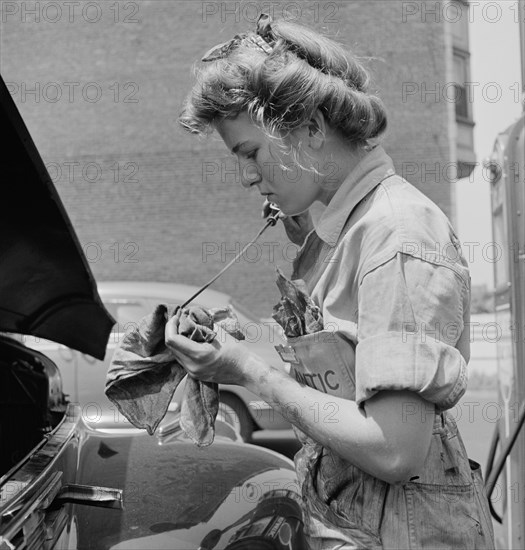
(68, 482)
(128, 301)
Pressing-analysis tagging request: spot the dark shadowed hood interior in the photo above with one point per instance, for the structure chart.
(46, 286)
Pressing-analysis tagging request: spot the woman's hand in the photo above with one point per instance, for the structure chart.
(296, 227)
(223, 360)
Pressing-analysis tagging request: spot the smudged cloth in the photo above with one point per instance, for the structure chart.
(296, 312)
(144, 373)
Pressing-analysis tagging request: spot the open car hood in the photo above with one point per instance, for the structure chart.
(46, 286)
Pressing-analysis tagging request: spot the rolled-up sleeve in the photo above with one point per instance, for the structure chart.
(411, 316)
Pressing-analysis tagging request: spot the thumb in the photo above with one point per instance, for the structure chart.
(172, 328)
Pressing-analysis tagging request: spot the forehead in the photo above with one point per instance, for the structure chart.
(239, 129)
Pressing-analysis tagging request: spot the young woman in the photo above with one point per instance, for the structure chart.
(382, 464)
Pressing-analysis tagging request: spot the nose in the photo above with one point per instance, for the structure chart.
(250, 174)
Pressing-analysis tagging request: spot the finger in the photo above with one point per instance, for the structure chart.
(171, 329)
(175, 318)
(182, 344)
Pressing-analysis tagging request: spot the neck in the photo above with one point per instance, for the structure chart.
(339, 161)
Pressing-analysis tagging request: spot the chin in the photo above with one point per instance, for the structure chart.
(294, 211)
(288, 210)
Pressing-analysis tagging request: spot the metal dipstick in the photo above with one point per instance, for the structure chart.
(271, 220)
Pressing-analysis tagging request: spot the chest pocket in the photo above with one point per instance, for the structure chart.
(325, 361)
(338, 496)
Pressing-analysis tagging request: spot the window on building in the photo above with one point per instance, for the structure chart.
(456, 12)
(462, 96)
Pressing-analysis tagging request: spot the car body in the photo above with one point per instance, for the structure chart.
(71, 481)
(128, 302)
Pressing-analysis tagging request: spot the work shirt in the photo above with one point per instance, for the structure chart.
(386, 269)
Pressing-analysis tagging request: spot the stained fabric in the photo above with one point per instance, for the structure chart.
(144, 373)
(296, 312)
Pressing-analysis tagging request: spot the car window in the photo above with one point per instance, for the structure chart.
(126, 312)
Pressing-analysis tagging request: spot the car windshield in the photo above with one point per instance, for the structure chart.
(126, 313)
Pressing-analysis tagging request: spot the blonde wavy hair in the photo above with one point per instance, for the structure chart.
(281, 88)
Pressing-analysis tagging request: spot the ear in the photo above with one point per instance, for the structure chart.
(311, 134)
(317, 131)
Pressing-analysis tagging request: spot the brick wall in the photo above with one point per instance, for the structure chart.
(152, 203)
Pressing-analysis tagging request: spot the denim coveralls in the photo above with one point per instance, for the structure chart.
(386, 269)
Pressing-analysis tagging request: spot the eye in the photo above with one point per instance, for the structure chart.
(252, 155)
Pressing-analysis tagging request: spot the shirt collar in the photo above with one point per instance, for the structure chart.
(369, 172)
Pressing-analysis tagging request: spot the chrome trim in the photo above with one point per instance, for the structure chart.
(120, 431)
(169, 427)
(33, 469)
(9, 474)
(135, 301)
(259, 405)
(23, 517)
(91, 495)
(29, 511)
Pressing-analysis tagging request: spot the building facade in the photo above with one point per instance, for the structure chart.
(100, 85)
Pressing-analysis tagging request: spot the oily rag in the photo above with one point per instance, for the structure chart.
(144, 373)
(296, 312)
